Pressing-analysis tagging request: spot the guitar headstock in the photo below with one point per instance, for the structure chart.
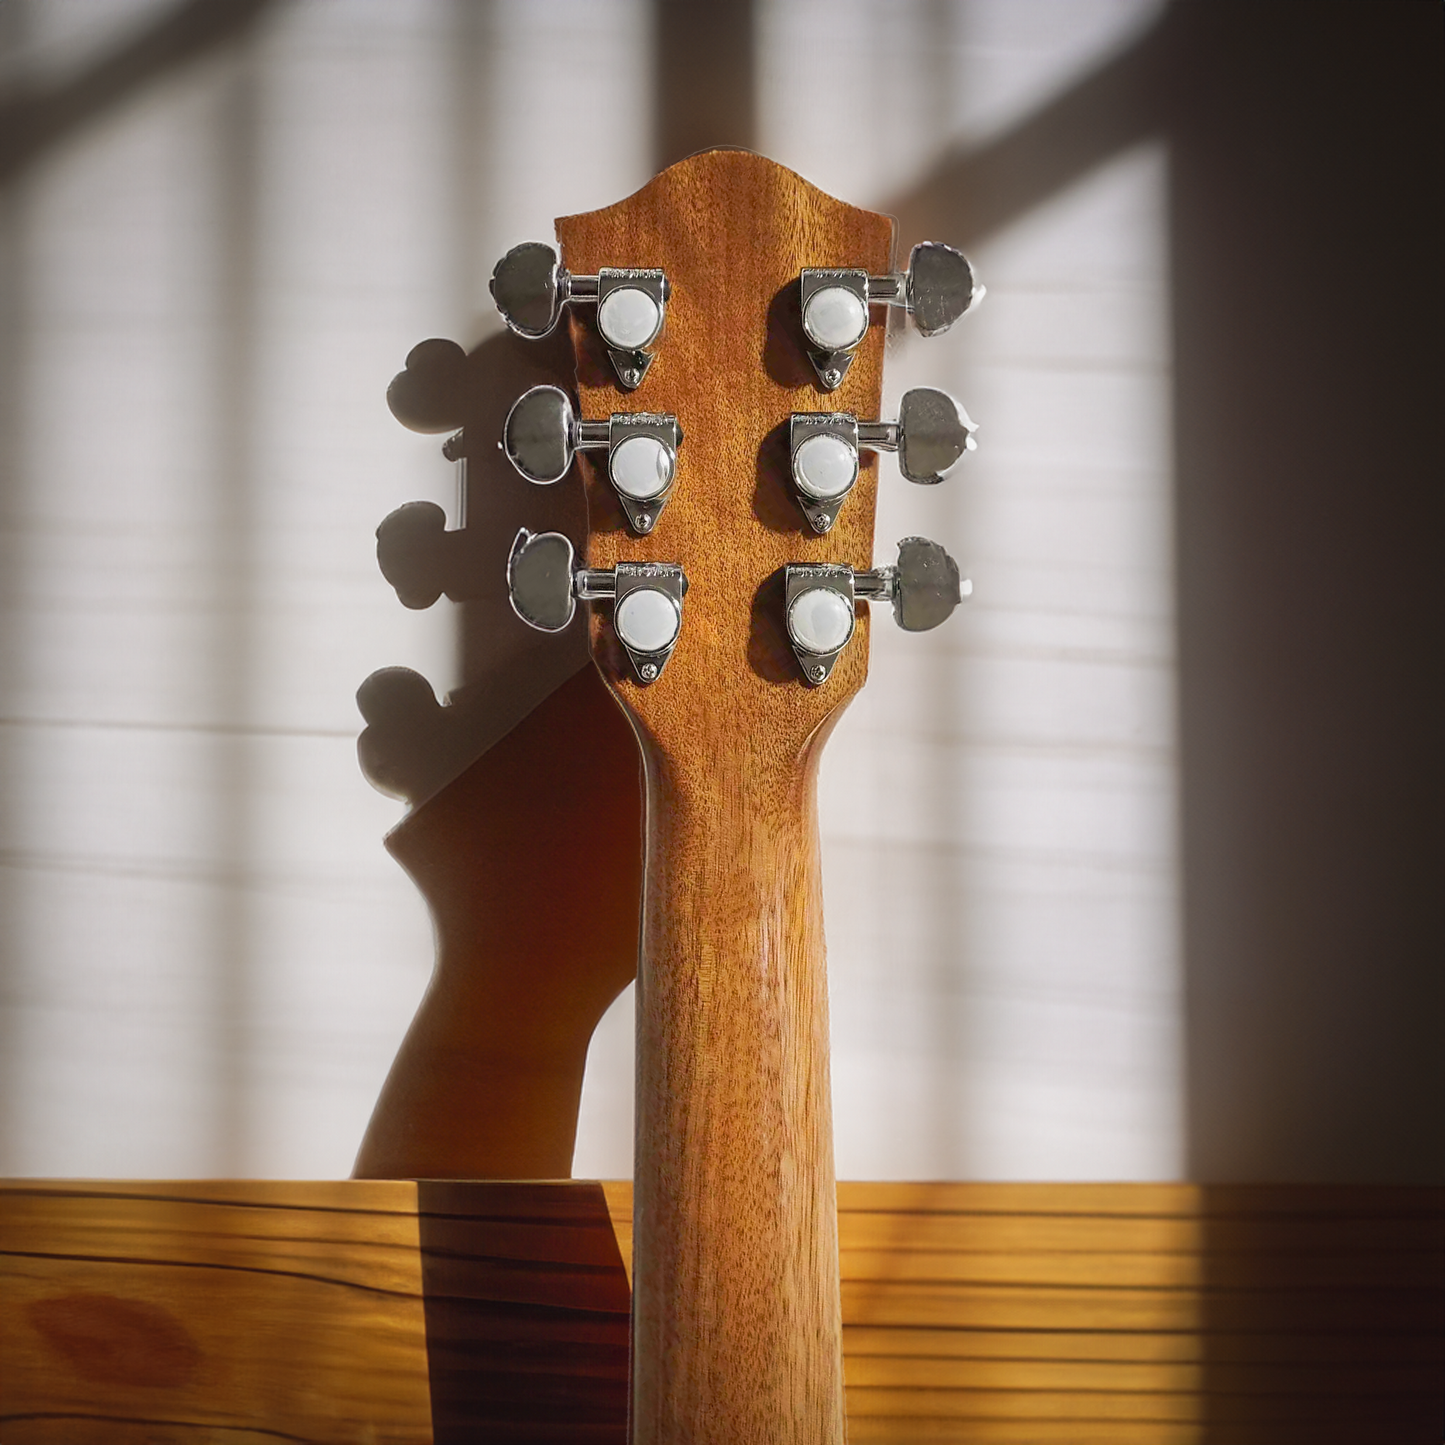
(727, 326)
(770, 487)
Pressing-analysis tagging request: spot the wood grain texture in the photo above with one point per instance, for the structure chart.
(480, 1312)
(289, 1311)
(536, 937)
(735, 1320)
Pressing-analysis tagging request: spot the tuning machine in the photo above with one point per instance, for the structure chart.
(543, 432)
(924, 588)
(938, 287)
(932, 432)
(531, 286)
(545, 584)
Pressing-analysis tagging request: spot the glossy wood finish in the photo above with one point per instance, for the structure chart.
(735, 1318)
(1060, 1314)
(531, 863)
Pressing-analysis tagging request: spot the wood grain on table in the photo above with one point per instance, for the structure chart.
(377, 1312)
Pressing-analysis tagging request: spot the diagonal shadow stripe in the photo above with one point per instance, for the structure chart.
(33, 121)
(704, 77)
(974, 192)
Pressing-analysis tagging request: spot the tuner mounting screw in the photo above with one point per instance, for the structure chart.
(818, 672)
(644, 521)
(647, 671)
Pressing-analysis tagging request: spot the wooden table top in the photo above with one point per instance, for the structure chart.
(381, 1312)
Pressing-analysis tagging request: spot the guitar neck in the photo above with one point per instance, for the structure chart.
(736, 1309)
(736, 1334)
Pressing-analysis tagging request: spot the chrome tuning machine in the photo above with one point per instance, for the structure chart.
(531, 286)
(818, 600)
(545, 584)
(937, 288)
(543, 432)
(932, 432)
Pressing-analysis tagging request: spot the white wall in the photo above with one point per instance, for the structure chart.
(209, 958)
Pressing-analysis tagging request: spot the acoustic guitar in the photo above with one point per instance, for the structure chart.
(728, 326)
(720, 374)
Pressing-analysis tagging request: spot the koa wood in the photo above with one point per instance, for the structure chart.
(736, 1302)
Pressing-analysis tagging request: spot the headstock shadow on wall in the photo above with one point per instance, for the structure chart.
(413, 745)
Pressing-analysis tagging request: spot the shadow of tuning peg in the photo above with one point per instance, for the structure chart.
(430, 393)
(421, 559)
(442, 387)
(410, 741)
(414, 745)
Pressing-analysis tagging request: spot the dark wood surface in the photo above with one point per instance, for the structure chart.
(376, 1313)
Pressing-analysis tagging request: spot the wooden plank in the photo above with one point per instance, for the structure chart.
(526, 1306)
(372, 1312)
(381, 1312)
(1029, 1375)
(178, 1313)
(368, 1244)
(1222, 1349)
(951, 1306)
(1119, 1233)
(1043, 1307)
(1131, 1200)
(1371, 1270)
(922, 1402)
(1089, 1430)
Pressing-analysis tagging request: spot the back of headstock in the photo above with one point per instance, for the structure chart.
(735, 231)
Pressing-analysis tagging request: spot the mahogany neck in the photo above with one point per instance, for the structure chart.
(736, 1325)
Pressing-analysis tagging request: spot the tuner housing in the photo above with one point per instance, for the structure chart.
(802, 578)
(924, 588)
(531, 286)
(543, 433)
(938, 287)
(833, 438)
(544, 585)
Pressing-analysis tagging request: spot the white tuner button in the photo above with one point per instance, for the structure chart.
(647, 620)
(825, 466)
(836, 318)
(641, 467)
(820, 621)
(628, 318)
